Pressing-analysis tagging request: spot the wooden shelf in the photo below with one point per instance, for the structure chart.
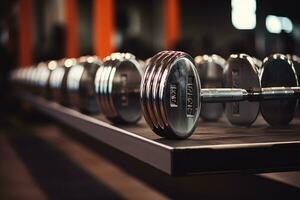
(213, 148)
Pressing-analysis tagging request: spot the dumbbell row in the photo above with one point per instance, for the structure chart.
(86, 83)
(114, 87)
(171, 91)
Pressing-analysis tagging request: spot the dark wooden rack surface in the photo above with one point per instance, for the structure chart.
(213, 148)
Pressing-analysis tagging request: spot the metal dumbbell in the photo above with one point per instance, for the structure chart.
(80, 84)
(40, 77)
(46, 90)
(210, 69)
(117, 84)
(171, 93)
(241, 71)
(58, 80)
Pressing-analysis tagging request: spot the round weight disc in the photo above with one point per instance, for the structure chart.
(99, 87)
(143, 92)
(151, 85)
(102, 90)
(241, 72)
(210, 69)
(278, 71)
(55, 82)
(155, 65)
(73, 84)
(296, 61)
(181, 97)
(155, 88)
(114, 66)
(64, 95)
(125, 87)
(87, 93)
(155, 92)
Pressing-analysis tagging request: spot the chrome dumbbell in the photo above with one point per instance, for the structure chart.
(80, 84)
(117, 84)
(58, 80)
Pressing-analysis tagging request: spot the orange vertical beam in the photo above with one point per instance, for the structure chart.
(103, 27)
(172, 23)
(71, 28)
(25, 33)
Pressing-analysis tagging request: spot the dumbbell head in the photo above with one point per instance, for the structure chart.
(117, 83)
(210, 69)
(51, 66)
(278, 70)
(241, 71)
(170, 96)
(80, 84)
(58, 80)
(41, 77)
(296, 61)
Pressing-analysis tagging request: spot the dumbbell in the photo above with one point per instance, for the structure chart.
(21, 79)
(210, 69)
(171, 93)
(117, 84)
(80, 84)
(46, 90)
(241, 72)
(40, 77)
(58, 80)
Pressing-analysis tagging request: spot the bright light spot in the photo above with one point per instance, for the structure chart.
(52, 65)
(91, 59)
(273, 24)
(243, 14)
(286, 24)
(69, 62)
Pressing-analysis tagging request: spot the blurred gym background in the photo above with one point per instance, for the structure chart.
(36, 30)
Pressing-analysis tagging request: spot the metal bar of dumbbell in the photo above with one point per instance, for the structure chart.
(224, 95)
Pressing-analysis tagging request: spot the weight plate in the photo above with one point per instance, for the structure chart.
(278, 71)
(155, 66)
(210, 69)
(296, 61)
(180, 97)
(73, 84)
(88, 101)
(241, 72)
(104, 107)
(55, 82)
(125, 90)
(143, 93)
(98, 88)
(154, 89)
(107, 94)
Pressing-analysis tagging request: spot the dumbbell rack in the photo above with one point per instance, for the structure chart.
(213, 148)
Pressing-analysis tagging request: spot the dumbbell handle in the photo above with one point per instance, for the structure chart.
(223, 95)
